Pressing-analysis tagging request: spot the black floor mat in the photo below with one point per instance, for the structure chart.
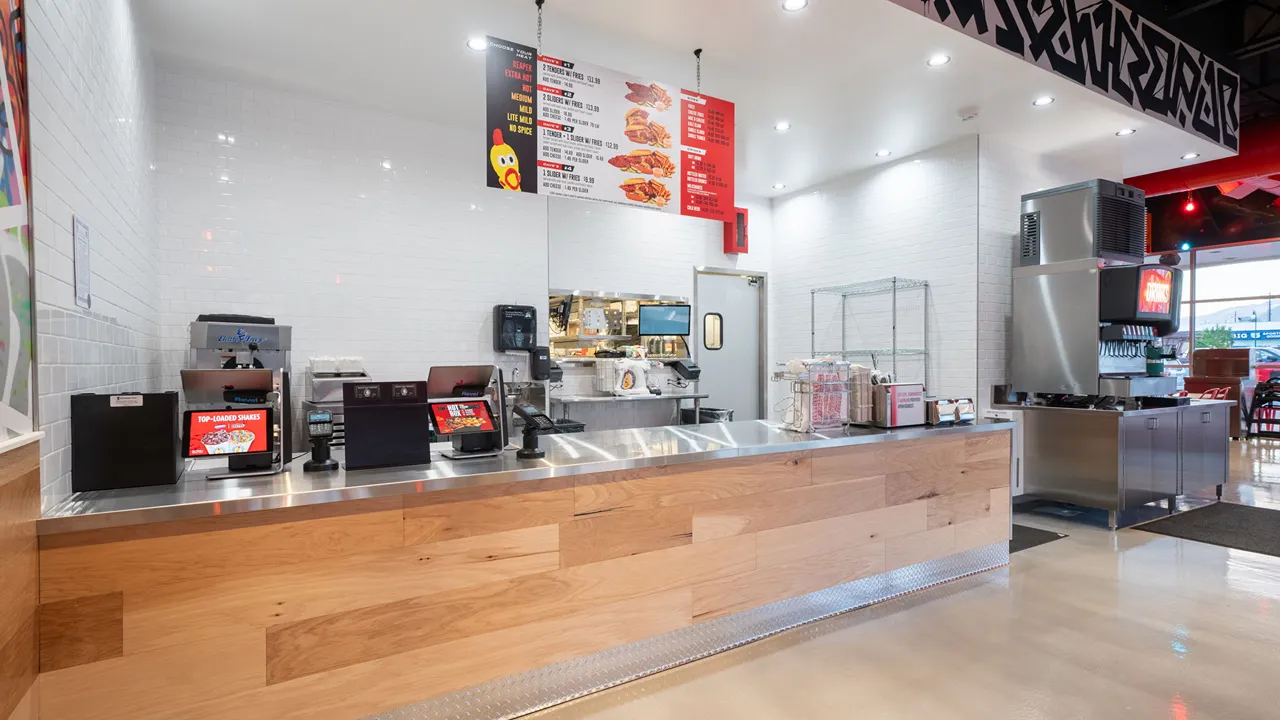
(1028, 537)
(1235, 526)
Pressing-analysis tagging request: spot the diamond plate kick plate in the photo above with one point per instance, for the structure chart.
(517, 695)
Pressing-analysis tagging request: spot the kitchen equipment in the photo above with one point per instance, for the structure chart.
(955, 411)
(388, 424)
(622, 377)
(124, 441)
(244, 389)
(899, 405)
(1093, 220)
(246, 353)
(818, 394)
(515, 328)
(327, 387)
(320, 430)
(1082, 330)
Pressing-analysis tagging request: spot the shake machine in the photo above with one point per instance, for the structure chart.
(242, 362)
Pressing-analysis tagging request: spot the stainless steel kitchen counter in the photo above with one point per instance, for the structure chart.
(1124, 413)
(194, 496)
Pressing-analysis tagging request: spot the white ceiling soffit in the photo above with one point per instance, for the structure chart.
(849, 75)
(1123, 56)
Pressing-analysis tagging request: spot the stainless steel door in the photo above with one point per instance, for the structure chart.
(1137, 447)
(729, 343)
(1204, 446)
(1149, 458)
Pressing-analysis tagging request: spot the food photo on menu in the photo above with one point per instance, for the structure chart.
(227, 433)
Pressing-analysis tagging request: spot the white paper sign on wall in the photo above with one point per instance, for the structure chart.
(81, 234)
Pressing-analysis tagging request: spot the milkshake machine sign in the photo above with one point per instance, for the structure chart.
(564, 128)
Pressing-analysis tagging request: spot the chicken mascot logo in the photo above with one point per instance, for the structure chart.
(503, 158)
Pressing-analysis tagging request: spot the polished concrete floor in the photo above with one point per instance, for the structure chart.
(1097, 625)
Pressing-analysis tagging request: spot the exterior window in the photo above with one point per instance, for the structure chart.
(712, 331)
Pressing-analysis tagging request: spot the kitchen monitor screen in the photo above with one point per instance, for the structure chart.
(665, 319)
(464, 416)
(226, 432)
(1155, 291)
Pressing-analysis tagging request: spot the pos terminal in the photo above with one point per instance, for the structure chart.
(469, 425)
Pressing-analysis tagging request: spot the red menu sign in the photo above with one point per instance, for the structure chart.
(470, 416)
(1155, 291)
(230, 432)
(576, 130)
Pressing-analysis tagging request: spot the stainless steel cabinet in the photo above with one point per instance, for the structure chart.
(1122, 460)
(1204, 446)
(1148, 458)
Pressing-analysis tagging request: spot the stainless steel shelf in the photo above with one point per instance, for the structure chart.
(891, 288)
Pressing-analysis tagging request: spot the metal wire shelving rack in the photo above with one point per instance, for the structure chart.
(894, 288)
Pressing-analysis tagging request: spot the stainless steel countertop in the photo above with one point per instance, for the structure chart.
(573, 454)
(1117, 413)
(588, 399)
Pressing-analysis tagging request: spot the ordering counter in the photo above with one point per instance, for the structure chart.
(626, 552)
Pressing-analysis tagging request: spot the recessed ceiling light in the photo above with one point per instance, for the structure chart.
(478, 44)
(779, 186)
(386, 164)
(1043, 100)
(794, 5)
(1191, 156)
(883, 153)
(938, 60)
(917, 161)
(1125, 131)
(782, 126)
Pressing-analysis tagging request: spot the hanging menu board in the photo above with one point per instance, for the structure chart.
(564, 128)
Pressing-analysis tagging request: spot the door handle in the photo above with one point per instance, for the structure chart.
(1206, 417)
(1153, 423)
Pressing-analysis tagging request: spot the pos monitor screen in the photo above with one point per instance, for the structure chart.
(462, 417)
(226, 432)
(665, 319)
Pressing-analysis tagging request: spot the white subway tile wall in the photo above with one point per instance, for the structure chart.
(91, 148)
(370, 234)
(915, 218)
(633, 250)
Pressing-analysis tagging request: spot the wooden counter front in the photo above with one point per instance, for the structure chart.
(343, 610)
